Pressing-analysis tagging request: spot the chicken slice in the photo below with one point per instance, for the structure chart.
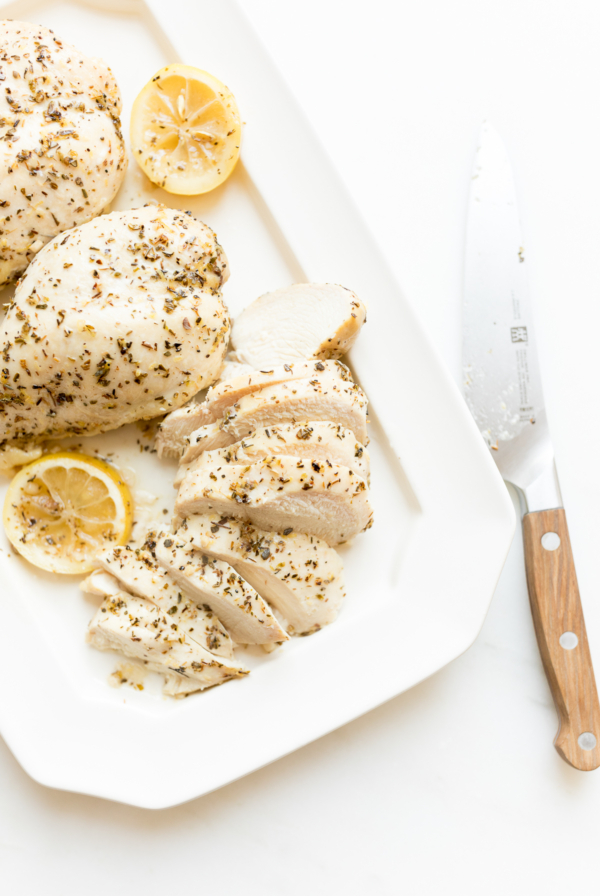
(115, 321)
(211, 437)
(174, 431)
(326, 500)
(172, 436)
(307, 320)
(223, 395)
(232, 369)
(320, 441)
(300, 576)
(101, 584)
(139, 630)
(247, 617)
(62, 154)
(321, 398)
(138, 572)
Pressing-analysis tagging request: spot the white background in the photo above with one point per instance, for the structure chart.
(453, 787)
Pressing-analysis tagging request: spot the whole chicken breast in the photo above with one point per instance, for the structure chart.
(62, 155)
(118, 320)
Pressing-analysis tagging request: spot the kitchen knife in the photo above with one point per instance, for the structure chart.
(503, 389)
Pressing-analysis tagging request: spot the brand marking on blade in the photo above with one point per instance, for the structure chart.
(518, 334)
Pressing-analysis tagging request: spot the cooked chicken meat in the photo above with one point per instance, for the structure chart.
(321, 441)
(316, 498)
(216, 584)
(174, 430)
(300, 576)
(62, 156)
(308, 320)
(101, 584)
(233, 369)
(198, 623)
(119, 320)
(223, 395)
(324, 398)
(138, 629)
(138, 572)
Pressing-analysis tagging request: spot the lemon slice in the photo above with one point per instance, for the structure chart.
(185, 130)
(62, 509)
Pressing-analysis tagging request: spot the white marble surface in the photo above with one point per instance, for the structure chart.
(453, 787)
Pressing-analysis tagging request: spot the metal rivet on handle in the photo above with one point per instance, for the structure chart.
(550, 541)
(568, 640)
(587, 740)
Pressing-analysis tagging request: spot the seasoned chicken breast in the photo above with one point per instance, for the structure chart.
(301, 401)
(300, 576)
(307, 320)
(137, 571)
(174, 430)
(217, 585)
(119, 320)
(316, 498)
(138, 629)
(62, 155)
(321, 441)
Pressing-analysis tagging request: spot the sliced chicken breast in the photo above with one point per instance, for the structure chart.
(321, 441)
(301, 577)
(326, 500)
(174, 431)
(171, 439)
(137, 571)
(101, 584)
(247, 617)
(307, 320)
(223, 395)
(232, 369)
(138, 629)
(324, 398)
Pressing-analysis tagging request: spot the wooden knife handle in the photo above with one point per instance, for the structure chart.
(561, 635)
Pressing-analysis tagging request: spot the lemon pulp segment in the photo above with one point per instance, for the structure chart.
(185, 130)
(64, 508)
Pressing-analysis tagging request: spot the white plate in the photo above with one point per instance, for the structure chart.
(419, 582)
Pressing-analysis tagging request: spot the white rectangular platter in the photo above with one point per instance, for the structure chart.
(419, 582)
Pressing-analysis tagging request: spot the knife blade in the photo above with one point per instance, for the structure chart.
(503, 389)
